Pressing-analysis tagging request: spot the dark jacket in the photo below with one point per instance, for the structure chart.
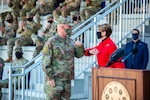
(141, 57)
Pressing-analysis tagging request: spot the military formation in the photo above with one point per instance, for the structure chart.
(22, 27)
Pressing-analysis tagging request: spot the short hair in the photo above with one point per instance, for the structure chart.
(136, 30)
(106, 27)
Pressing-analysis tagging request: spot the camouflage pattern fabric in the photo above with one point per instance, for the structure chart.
(70, 5)
(4, 83)
(91, 9)
(58, 64)
(9, 33)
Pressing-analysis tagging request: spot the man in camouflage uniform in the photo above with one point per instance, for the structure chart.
(15, 9)
(30, 27)
(44, 34)
(58, 62)
(27, 6)
(10, 30)
(66, 7)
(2, 19)
(92, 7)
(19, 61)
(75, 18)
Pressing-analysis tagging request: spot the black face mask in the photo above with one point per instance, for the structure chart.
(29, 19)
(50, 21)
(10, 20)
(74, 18)
(18, 55)
(99, 35)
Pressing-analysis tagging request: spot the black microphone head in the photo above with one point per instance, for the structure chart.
(134, 50)
(117, 54)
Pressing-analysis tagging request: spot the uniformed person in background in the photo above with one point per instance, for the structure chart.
(58, 62)
(9, 31)
(44, 34)
(2, 20)
(27, 6)
(18, 61)
(75, 19)
(26, 30)
(15, 9)
(92, 7)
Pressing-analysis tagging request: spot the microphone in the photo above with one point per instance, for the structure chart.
(132, 52)
(115, 56)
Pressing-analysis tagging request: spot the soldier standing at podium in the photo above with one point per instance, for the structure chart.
(139, 59)
(105, 48)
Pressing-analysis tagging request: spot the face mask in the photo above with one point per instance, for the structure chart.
(134, 36)
(68, 32)
(9, 21)
(29, 19)
(18, 55)
(99, 35)
(74, 18)
(50, 21)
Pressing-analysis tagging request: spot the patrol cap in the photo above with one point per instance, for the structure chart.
(63, 20)
(18, 49)
(49, 16)
(73, 13)
(1, 62)
(9, 16)
(29, 14)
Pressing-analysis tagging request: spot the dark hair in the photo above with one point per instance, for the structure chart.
(136, 30)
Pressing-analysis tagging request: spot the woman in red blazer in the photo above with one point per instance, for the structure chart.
(105, 48)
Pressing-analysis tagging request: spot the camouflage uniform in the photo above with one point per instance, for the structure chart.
(10, 30)
(29, 28)
(2, 18)
(41, 9)
(58, 65)
(17, 62)
(48, 32)
(27, 6)
(75, 19)
(92, 7)
(66, 7)
(15, 9)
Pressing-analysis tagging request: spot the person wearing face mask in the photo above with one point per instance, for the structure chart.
(58, 62)
(9, 31)
(44, 34)
(105, 48)
(138, 59)
(75, 18)
(26, 30)
(18, 61)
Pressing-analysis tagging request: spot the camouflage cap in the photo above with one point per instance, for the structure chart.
(29, 14)
(49, 16)
(1, 62)
(62, 20)
(73, 13)
(18, 49)
(9, 16)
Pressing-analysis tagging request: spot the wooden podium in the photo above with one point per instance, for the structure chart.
(120, 84)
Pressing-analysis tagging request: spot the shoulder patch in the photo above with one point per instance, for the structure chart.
(45, 49)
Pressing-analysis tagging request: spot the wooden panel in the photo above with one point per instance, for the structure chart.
(135, 81)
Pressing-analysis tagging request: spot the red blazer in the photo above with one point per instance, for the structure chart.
(105, 48)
